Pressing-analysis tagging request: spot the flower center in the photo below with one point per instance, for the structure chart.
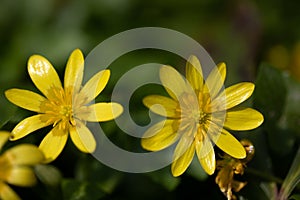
(194, 113)
(193, 108)
(66, 111)
(203, 117)
(60, 108)
(67, 115)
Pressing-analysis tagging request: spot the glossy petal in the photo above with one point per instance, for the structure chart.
(74, 71)
(185, 142)
(162, 105)
(215, 80)
(180, 165)
(53, 144)
(6, 193)
(160, 135)
(232, 96)
(43, 74)
(243, 119)
(28, 125)
(83, 138)
(94, 86)
(184, 152)
(4, 136)
(173, 82)
(206, 155)
(24, 154)
(25, 99)
(101, 112)
(194, 73)
(21, 176)
(229, 144)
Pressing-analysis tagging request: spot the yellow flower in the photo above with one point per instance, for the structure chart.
(196, 114)
(16, 167)
(66, 108)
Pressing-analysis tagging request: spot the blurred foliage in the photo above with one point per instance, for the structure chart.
(258, 40)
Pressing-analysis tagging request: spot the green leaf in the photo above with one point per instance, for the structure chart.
(48, 175)
(6, 109)
(292, 178)
(295, 197)
(270, 97)
(49, 186)
(91, 170)
(81, 190)
(281, 140)
(291, 116)
(270, 93)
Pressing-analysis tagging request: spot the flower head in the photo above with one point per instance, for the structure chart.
(66, 107)
(16, 166)
(199, 114)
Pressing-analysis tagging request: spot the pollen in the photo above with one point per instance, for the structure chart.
(66, 111)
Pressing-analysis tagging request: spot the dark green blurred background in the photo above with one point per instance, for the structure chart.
(243, 34)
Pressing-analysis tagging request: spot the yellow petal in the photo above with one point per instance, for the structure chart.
(43, 74)
(94, 86)
(101, 112)
(194, 73)
(185, 142)
(160, 135)
(229, 144)
(28, 125)
(83, 138)
(25, 99)
(24, 154)
(21, 176)
(173, 82)
(161, 105)
(206, 155)
(215, 80)
(232, 96)
(53, 144)
(243, 119)
(74, 71)
(6, 193)
(184, 152)
(180, 165)
(4, 135)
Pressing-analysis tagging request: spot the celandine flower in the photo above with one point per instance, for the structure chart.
(66, 108)
(16, 167)
(195, 115)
